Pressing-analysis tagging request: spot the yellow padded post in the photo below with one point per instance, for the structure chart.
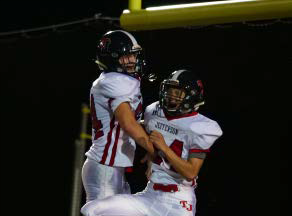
(135, 5)
(207, 13)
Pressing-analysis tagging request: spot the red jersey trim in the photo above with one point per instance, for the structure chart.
(114, 150)
(198, 150)
(109, 140)
(109, 135)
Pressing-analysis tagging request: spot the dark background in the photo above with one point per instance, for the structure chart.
(47, 75)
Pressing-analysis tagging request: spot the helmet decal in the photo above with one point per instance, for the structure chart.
(200, 84)
(104, 43)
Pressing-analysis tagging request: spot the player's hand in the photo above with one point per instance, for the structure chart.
(147, 158)
(158, 141)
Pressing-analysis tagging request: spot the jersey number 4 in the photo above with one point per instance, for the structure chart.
(96, 124)
(177, 147)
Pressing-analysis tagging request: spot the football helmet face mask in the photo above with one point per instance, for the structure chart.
(181, 93)
(118, 51)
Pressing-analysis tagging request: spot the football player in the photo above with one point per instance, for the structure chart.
(116, 108)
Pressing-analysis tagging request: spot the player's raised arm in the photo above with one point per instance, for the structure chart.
(126, 119)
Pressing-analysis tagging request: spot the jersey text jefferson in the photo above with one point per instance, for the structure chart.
(166, 128)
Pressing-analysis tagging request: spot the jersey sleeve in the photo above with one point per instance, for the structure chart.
(118, 89)
(204, 134)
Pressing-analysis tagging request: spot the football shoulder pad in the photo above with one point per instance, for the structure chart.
(205, 132)
(116, 84)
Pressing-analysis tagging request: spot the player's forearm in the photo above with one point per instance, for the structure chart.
(183, 167)
(128, 123)
(134, 130)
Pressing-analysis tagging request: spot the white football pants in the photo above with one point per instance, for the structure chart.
(101, 181)
(146, 203)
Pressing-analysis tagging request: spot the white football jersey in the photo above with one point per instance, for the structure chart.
(192, 132)
(110, 145)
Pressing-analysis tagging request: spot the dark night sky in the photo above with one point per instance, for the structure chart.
(17, 15)
(45, 79)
